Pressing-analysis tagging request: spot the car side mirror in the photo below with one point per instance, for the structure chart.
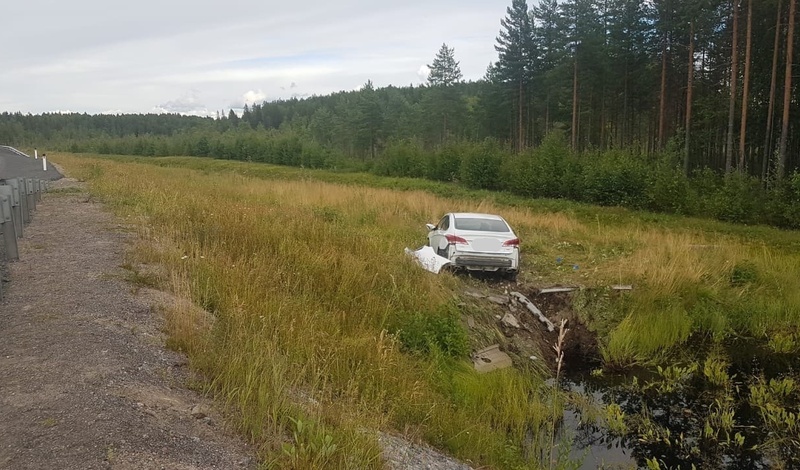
(431, 227)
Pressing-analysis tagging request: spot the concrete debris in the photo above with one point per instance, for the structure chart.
(471, 322)
(621, 287)
(199, 411)
(553, 290)
(428, 259)
(510, 321)
(490, 358)
(532, 308)
(477, 295)
(499, 300)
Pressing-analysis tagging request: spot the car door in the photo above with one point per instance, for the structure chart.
(437, 236)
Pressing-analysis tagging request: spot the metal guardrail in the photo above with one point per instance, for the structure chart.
(12, 149)
(18, 198)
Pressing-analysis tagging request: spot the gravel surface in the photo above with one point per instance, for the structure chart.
(85, 379)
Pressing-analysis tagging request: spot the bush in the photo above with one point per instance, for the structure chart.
(739, 199)
(668, 190)
(424, 332)
(615, 178)
(445, 164)
(480, 167)
(402, 158)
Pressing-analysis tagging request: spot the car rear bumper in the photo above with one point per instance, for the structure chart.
(488, 262)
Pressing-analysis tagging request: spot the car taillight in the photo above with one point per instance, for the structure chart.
(455, 240)
(512, 242)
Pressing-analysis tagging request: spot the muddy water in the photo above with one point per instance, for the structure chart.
(668, 419)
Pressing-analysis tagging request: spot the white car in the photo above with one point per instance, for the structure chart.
(476, 242)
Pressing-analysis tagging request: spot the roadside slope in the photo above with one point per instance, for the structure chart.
(85, 379)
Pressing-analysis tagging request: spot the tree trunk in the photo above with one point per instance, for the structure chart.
(772, 89)
(746, 86)
(689, 89)
(624, 139)
(734, 81)
(787, 92)
(662, 107)
(521, 117)
(575, 105)
(547, 114)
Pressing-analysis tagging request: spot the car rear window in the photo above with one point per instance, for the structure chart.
(481, 225)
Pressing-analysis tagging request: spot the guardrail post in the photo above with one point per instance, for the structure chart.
(23, 200)
(16, 205)
(31, 196)
(9, 232)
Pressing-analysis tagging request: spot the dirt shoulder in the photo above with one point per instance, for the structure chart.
(85, 379)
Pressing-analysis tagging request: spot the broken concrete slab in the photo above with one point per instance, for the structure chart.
(428, 259)
(510, 321)
(490, 358)
(477, 295)
(498, 299)
(532, 308)
(553, 290)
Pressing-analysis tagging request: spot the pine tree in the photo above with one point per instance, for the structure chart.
(787, 92)
(444, 73)
(445, 70)
(515, 48)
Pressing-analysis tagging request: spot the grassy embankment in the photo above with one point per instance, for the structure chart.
(298, 282)
(302, 275)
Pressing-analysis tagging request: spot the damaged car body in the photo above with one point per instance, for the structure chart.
(476, 242)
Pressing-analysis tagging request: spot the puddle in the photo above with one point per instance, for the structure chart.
(668, 412)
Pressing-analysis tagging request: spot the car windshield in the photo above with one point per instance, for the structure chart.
(481, 225)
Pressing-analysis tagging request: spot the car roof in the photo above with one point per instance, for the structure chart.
(477, 215)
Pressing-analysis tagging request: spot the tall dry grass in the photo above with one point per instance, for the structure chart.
(301, 278)
(289, 289)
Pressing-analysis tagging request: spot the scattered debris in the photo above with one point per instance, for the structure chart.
(621, 287)
(471, 322)
(524, 300)
(428, 259)
(490, 358)
(477, 295)
(199, 411)
(499, 300)
(510, 321)
(552, 290)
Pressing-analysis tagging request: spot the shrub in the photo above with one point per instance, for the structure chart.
(615, 178)
(424, 332)
(481, 166)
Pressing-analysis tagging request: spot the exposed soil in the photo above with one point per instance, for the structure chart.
(487, 304)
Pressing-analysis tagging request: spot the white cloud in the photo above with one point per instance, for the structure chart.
(252, 97)
(189, 104)
(93, 57)
(424, 72)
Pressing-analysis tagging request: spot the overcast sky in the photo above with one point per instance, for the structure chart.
(201, 56)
